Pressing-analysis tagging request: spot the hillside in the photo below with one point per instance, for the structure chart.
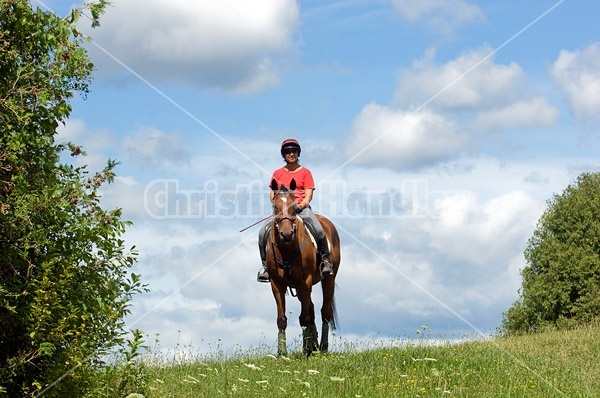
(549, 364)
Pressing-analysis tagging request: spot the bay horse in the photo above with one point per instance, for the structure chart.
(293, 262)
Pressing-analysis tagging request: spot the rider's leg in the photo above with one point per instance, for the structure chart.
(310, 218)
(263, 275)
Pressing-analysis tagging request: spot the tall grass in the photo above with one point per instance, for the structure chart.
(548, 364)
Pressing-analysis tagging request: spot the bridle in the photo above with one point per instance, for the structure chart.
(292, 218)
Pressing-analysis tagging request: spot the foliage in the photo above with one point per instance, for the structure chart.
(66, 283)
(561, 283)
(127, 374)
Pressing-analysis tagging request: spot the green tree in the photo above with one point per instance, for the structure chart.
(66, 281)
(561, 282)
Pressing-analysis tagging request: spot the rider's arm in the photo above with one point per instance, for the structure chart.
(308, 194)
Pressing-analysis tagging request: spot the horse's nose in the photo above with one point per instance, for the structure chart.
(286, 236)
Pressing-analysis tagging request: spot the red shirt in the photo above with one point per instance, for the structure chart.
(303, 177)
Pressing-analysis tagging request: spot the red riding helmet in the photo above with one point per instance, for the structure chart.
(290, 144)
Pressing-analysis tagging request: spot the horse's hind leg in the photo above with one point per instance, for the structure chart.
(327, 311)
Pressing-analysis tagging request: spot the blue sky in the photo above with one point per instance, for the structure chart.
(436, 132)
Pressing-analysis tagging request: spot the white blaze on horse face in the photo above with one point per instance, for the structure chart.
(284, 199)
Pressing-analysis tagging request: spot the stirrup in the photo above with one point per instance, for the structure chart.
(263, 276)
(326, 268)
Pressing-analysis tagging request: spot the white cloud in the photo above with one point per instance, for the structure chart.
(471, 81)
(464, 254)
(383, 137)
(440, 15)
(152, 148)
(533, 112)
(474, 93)
(226, 45)
(577, 73)
(471, 232)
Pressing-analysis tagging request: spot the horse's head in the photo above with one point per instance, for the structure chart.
(284, 211)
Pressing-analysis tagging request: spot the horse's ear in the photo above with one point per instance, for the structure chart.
(273, 185)
(293, 185)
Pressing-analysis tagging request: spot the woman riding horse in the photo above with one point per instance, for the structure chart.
(292, 262)
(305, 185)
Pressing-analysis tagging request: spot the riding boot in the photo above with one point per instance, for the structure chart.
(326, 267)
(263, 275)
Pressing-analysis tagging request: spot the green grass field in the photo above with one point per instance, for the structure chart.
(548, 364)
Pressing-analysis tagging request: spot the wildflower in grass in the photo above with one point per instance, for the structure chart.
(305, 383)
(252, 366)
(243, 380)
(262, 382)
(135, 395)
(285, 371)
(313, 372)
(337, 379)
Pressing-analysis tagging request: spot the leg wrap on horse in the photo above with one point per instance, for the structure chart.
(308, 340)
(324, 346)
(315, 336)
(281, 344)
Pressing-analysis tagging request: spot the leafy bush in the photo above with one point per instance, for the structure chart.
(66, 283)
(561, 283)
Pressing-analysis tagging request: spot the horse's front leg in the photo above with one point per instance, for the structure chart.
(278, 289)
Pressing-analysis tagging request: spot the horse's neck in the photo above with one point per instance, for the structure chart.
(292, 248)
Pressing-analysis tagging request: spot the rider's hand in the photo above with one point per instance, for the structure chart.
(298, 208)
